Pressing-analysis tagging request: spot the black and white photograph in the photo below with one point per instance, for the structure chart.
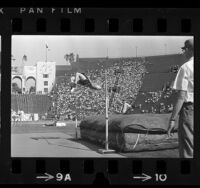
(102, 96)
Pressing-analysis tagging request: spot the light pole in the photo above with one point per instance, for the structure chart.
(47, 49)
(46, 52)
(136, 50)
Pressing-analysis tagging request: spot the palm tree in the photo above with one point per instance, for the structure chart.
(69, 57)
(66, 57)
(24, 59)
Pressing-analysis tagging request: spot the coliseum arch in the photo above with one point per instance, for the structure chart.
(30, 81)
(18, 81)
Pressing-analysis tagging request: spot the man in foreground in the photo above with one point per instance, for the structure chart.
(184, 84)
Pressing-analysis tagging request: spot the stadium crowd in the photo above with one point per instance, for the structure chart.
(127, 75)
(158, 101)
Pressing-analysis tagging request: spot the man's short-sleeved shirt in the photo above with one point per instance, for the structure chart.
(185, 80)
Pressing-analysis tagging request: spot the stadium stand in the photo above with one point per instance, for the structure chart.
(31, 103)
(124, 76)
(156, 88)
(142, 82)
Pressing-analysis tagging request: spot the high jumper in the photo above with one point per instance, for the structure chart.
(82, 79)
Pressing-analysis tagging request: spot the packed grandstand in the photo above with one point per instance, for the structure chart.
(144, 83)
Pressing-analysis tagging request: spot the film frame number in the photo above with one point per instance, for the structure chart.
(161, 177)
(63, 177)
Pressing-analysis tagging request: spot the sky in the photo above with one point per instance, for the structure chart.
(34, 46)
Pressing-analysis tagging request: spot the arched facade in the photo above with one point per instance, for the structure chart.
(24, 82)
(41, 77)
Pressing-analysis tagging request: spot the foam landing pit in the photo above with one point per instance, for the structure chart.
(128, 133)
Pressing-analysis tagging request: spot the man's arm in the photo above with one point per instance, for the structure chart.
(178, 104)
(177, 108)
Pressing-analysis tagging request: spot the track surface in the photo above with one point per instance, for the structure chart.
(36, 140)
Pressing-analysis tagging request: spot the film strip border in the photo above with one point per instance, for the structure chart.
(84, 21)
(102, 171)
(95, 22)
(101, 21)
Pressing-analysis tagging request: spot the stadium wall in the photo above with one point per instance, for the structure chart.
(31, 103)
(157, 76)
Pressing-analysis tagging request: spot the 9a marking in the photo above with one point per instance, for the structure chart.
(63, 177)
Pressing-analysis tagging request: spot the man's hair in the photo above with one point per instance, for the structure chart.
(189, 44)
